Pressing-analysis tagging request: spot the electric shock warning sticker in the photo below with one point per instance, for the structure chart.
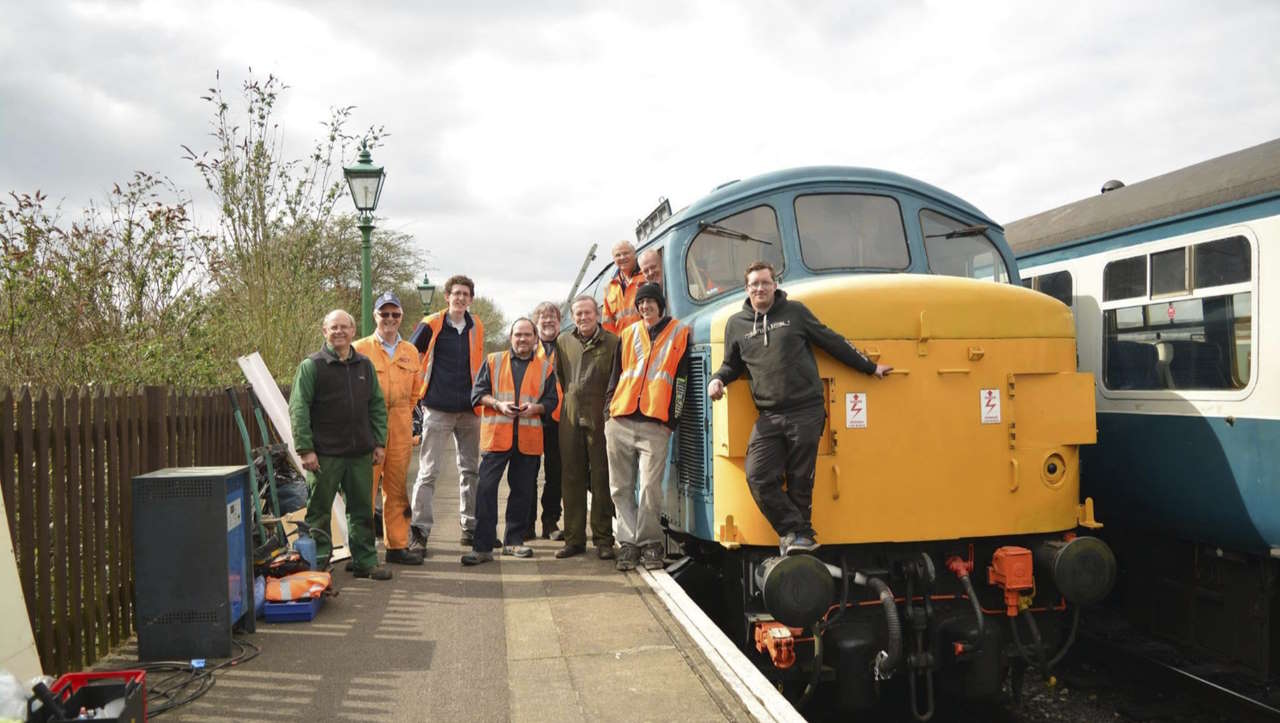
(989, 405)
(855, 410)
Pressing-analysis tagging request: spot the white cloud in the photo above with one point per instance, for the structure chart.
(522, 132)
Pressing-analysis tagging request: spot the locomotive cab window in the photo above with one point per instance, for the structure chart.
(723, 249)
(965, 254)
(1197, 338)
(851, 231)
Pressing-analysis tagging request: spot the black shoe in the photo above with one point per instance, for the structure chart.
(606, 552)
(549, 530)
(417, 542)
(468, 538)
(570, 551)
(404, 557)
(476, 558)
(376, 573)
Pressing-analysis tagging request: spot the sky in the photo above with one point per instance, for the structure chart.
(521, 132)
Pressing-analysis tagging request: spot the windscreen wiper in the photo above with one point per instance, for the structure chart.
(975, 230)
(727, 232)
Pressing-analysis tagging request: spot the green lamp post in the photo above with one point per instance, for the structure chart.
(365, 181)
(426, 293)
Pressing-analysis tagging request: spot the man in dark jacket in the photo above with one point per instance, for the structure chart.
(339, 422)
(771, 338)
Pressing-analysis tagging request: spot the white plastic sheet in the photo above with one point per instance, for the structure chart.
(277, 409)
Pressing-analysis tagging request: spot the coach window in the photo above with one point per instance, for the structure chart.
(972, 256)
(1198, 338)
(720, 253)
(851, 231)
(1124, 279)
(1056, 284)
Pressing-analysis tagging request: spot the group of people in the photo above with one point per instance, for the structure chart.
(598, 402)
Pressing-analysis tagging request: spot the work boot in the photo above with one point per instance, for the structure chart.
(784, 542)
(522, 551)
(606, 552)
(374, 573)
(651, 557)
(570, 551)
(627, 558)
(468, 538)
(405, 557)
(801, 543)
(417, 542)
(476, 558)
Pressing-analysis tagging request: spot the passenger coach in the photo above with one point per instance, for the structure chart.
(1169, 283)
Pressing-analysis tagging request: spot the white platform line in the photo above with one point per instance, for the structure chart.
(756, 693)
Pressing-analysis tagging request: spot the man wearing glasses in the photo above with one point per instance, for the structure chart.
(452, 346)
(396, 362)
(771, 338)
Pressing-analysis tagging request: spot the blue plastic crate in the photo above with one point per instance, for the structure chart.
(293, 611)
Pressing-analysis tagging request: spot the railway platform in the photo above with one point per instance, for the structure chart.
(520, 640)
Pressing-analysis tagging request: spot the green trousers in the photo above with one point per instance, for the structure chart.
(585, 467)
(353, 477)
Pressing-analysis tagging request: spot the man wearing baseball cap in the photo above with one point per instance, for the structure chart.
(396, 362)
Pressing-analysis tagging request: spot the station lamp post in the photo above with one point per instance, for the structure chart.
(365, 180)
(426, 293)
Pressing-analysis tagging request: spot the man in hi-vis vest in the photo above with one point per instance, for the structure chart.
(514, 390)
(644, 399)
(619, 310)
(452, 346)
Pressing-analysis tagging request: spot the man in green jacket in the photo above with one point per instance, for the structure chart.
(339, 424)
(584, 361)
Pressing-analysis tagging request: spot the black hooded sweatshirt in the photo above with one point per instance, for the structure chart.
(774, 348)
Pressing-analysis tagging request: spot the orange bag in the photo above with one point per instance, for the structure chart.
(299, 585)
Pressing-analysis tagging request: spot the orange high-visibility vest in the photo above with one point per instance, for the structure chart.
(299, 585)
(648, 370)
(496, 428)
(619, 310)
(436, 322)
(550, 360)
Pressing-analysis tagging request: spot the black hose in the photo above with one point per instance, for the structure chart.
(1037, 640)
(884, 665)
(1071, 639)
(815, 677)
(973, 600)
(844, 591)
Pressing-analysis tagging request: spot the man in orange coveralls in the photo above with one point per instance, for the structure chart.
(396, 362)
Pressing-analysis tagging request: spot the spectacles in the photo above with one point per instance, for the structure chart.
(390, 314)
(760, 285)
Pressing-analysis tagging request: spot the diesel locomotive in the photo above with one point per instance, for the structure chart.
(954, 540)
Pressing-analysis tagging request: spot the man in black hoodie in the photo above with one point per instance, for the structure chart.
(770, 338)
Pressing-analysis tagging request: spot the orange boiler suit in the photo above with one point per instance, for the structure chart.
(398, 377)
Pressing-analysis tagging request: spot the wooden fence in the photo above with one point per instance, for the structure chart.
(69, 458)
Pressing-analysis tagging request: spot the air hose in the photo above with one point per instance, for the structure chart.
(887, 659)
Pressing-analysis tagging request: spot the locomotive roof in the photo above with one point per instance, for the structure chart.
(1244, 174)
(809, 175)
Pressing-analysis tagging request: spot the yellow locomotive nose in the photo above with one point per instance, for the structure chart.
(975, 433)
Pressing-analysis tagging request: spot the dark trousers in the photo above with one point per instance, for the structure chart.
(522, 479)
(585, 468)
(550, 480)
(784, 445)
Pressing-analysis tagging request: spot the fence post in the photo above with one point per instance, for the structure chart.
(156, 432)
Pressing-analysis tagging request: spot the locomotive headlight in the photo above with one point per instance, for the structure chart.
(1054, 470)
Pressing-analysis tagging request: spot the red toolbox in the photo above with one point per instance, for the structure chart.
(93, 691)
